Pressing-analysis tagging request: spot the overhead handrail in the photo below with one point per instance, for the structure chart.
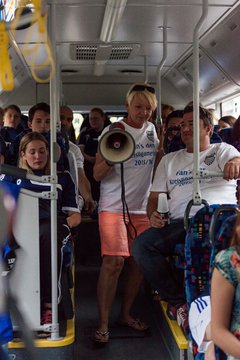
(197, 198)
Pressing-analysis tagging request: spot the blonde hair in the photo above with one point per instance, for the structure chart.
(144, 93)
(27, 138)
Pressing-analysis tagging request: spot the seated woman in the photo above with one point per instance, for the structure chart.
(225, 297)
(34, 157)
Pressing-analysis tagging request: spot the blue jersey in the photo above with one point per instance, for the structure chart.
(67, 197)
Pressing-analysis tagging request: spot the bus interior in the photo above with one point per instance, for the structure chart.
(85, 54)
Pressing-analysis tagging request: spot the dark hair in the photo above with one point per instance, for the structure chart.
(235, 131)
(174, 114)
(230, 120)
(204, 114)
(99, 110)
(40, 106)
(12, 107)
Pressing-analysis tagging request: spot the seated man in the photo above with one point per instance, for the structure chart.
(173, 176)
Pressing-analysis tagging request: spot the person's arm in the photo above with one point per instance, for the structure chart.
(232, 169)
(160, 154)
(101, 168)
(85, 190)
(87, 157)
(155, 218)
(222, 294)
(73, 219)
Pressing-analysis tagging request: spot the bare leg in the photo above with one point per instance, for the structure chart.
(132, 284)
(107, 285)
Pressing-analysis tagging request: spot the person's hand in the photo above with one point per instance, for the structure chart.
(89, 205)
(232, 169)
(73, 219)
(156, 220)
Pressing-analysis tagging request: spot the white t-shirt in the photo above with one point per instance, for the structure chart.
(77, 153)
(174, 176)
(137, 173)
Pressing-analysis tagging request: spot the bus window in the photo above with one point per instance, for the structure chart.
(77, 122)
(231, 107)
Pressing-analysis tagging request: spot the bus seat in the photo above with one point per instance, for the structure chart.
(198, 250)
(223, 240)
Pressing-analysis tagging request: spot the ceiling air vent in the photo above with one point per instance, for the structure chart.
(103, 52)
(83, 52)
(124, 52)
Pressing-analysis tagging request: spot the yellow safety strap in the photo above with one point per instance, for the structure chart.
(6, 73)
(40, 18)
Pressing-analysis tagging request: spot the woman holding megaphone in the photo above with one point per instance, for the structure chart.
(124, 165)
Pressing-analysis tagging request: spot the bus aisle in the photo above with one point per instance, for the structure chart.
(125, 343)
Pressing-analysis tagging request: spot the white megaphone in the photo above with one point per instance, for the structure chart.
(116, 145)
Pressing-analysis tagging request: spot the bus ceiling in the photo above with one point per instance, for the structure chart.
(104, 46)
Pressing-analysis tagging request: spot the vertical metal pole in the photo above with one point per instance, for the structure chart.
(196, 148)
(54, 106)
(159, 69)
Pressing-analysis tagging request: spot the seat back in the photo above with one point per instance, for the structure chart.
(204, 225)
(222, 240)
(25, 277)
(198, 247)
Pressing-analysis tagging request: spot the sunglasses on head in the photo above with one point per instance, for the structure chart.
(142, 88)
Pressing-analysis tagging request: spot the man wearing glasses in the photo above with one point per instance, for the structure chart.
(174, 177)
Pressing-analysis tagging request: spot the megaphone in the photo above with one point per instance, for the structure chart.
(117, 145)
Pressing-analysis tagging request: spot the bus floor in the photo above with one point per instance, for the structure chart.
(124, 343)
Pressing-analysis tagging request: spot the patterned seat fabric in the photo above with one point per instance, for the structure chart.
(199, 253)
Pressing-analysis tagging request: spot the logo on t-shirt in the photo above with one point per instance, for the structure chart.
(209, 159)
(150, 135)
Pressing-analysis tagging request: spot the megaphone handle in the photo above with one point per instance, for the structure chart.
(108, 163)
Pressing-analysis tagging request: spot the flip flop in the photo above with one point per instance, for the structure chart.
(101, 337)
(135, 324)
